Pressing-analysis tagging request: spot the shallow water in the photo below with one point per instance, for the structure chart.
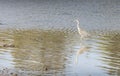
(60, 52)
(40, 37)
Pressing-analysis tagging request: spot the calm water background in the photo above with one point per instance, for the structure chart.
(40, 37)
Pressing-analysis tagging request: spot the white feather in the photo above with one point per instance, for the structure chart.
(82, 33)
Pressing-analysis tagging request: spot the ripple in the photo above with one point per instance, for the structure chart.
(54, 51)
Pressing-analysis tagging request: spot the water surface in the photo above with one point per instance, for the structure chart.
(60, 52)
(40, 37)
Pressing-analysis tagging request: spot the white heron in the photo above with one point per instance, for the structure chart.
(83, 34)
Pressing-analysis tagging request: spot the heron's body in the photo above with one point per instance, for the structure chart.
(82, 33)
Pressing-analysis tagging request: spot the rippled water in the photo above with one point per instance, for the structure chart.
(40, 37)
(60, 52)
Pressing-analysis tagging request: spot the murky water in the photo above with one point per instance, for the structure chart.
(60, 52)
(40, 38)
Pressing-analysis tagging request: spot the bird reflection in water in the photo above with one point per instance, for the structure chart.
(81, 51)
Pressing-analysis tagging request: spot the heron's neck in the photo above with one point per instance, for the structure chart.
(78, 27)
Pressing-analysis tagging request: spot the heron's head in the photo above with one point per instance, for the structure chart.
(77, 21)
